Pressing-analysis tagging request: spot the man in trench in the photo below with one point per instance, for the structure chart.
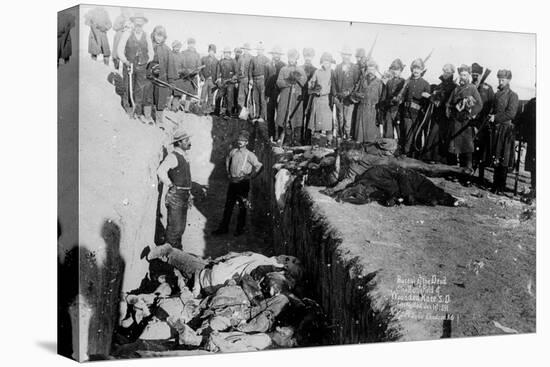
(175, 173)
(242, 165)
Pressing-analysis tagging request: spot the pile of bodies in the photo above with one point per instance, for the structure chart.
(237, 302)
(363, 173)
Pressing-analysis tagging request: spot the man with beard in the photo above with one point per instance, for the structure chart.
(345, 77)
(482, 152)
(289, 111)
(436, 147)
(163, 68)
(389, 104)
(271, 89)
(463, 105)
(135, 51)
(505, 106)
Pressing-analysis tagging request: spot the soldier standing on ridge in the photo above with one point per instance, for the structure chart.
(98, 43)
(308, 67)
(505, 107)
(344, 80)
(174, 172)
(243, 73)
(271, 88)
(208, 74)
(463, 105)
(227, 76)
(369, 94)
(135, 50)
(390, 105)
(482, 151)
(188, 69)
(258, 73)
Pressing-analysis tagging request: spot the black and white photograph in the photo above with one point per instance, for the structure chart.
(236, 183)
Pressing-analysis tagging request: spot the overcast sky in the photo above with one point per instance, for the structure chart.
(495, 50)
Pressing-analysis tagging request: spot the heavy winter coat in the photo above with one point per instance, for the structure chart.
(290, 81)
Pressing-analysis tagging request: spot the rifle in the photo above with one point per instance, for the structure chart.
(369, 55)
(162, 83)
(224, 82)
(406, 84)
(516, 168)
(363, 72)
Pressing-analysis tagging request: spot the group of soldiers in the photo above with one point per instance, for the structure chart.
(459, 120)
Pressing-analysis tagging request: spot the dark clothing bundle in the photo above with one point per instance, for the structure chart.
(65, 21)
(99, 22)
(388, 184)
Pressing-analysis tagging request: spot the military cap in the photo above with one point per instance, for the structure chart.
(360, 52)
(397, 64)
(417, 63)
(308, 52)
(212, 47)
(246, 46)
(464, 67)
(504, 74)
(476, 68)
(276, 51)
(293, 54)
(176, 44)
(180, 135)
(226, 49)
(326, 56)
(346, 50)
(191, 41)
(449, 68)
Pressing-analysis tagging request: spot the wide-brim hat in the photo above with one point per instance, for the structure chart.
(180, 135)
(139, 15)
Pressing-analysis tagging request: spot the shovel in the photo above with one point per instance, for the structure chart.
(245, 112)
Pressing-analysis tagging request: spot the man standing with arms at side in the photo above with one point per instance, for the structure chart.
(174, 172)
(271, 88)
(505, 107)
(187, 68)
(345, 77)
(390, 105)
(208, 74)
(227, 76)
(243, 73)
(242, 165)
(258, 73)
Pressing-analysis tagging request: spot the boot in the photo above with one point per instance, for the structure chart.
(147, 119)
(106, 60)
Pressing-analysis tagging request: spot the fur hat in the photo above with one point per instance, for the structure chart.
(293, 54)
(504, 74)
(212, 47)
(326, 56)
(464, 67)
(360, 52)
(417, 63)
(397, 64)
(308, 52)
(449, 68)
(476, 68)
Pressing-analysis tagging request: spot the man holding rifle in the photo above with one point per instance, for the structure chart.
(291, 80)
(505, 106)
(258, 73)
(208, 75)
(390, 105)
(414, 94)
(462, 107)
(482, 143)
(187, 67)
(226, 79)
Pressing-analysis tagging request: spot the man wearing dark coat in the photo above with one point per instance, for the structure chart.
(309, 68)
(345, 77)
(257, 74)
(482, 153)
(98, 44)
(436, 142)
(188, 68)
(527, 124)
(389, 105)
(226, 79)
(271, 88)
(463, 105)
(505, 106)
(208, 75)
(65, 21)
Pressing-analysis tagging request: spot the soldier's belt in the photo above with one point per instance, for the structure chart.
(413, 105)
(258, 76)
